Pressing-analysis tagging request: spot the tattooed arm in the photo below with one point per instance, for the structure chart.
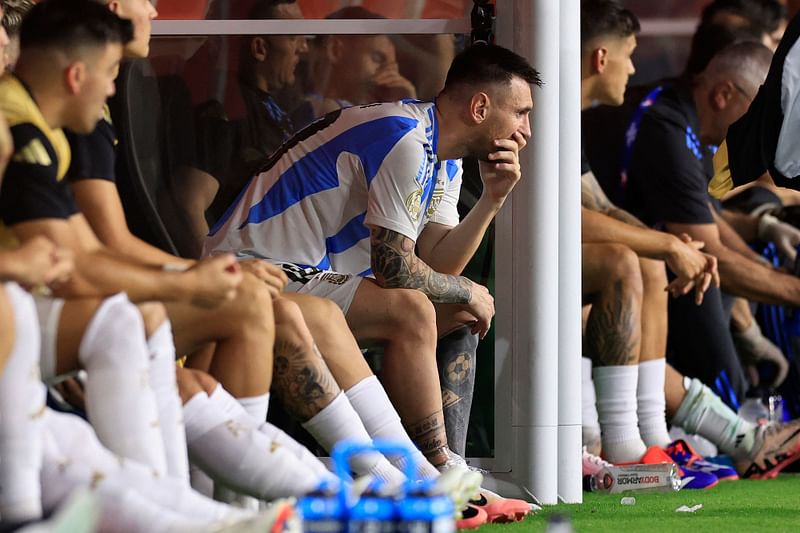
(602, 221)
(396, 265)
(593, 197)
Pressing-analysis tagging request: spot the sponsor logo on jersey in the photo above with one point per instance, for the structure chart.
(33, 153)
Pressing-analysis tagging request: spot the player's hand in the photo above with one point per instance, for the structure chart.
(693, 269)
(785, 236)
(389, 85)
(41, 263)
(481, 305)
(272, 275)
(213, 280)
(502, 171)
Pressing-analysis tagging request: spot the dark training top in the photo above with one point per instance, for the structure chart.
(33, 187)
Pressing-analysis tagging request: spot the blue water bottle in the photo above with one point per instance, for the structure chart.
(323, 511)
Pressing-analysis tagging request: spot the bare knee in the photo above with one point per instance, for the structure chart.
(290, 326)
(624, 268)
(154, 315)
(654, 275)
(254, 302)
(411, 315)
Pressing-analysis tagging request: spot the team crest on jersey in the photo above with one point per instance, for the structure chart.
(335, 278)
(414, 204)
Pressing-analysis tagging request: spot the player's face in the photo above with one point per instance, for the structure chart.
(618, 69)
(285, 50)
(140, 13)
(101, 69)
(364, 57)
(509, 114)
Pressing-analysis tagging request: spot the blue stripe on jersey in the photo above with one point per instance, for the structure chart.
(367, 272)
(452, 169)
(316, 171)
(427, 194)
(348, 236)
(325, 264)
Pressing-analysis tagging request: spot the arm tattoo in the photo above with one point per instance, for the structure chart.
(396, 265)
(593, 197)
(302, 381)
(612, 332)
(624, 216)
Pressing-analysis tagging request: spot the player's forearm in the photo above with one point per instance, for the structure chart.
(102, 273)
(396, 266)
(756, 281)
(733, 240)
(134, 248)
(599, 227)
(745, 225)
(455, 250)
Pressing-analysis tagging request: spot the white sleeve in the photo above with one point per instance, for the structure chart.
(787, 152)
(446, 212)
(395, 194)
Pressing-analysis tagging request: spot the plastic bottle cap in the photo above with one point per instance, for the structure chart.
(628, 500)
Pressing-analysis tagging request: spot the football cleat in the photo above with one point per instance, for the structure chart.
(472, 517)
(500, 510)
(776, 446)
(690, 479)
(684, 456)
(592, 464)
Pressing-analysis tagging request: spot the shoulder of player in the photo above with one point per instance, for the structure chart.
(103, 137)
(32, 146)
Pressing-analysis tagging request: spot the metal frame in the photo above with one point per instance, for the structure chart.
(198, 28)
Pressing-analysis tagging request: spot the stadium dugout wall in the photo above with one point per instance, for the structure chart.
(537, 289)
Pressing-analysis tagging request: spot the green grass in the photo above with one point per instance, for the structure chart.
(738, 506)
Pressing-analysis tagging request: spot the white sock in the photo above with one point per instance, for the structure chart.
(200, 481)
(652, 403)
(170, 412)
(589, 424)
(22, 402)
(233, 407)
(338, 421)
(73, 458)
(225, 442)
(704, 413)
(256, 406)
(616, 409)
(119, 400)
(381, 421)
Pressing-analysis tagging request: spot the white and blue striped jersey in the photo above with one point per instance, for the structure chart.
(372, 165)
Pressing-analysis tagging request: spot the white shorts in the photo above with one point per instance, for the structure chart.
(341, 288)
(49, 311)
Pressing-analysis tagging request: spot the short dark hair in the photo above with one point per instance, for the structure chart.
(488, 63)
(601, 18)
(67, 24)
(710, 38)
(13, 13)
(266, 9)
(353, 12)
(765, 15)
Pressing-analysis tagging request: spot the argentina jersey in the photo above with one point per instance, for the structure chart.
(372, 165)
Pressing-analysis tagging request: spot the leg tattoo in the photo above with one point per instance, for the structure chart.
(613, 330)
(455, 356)
(302, 381)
